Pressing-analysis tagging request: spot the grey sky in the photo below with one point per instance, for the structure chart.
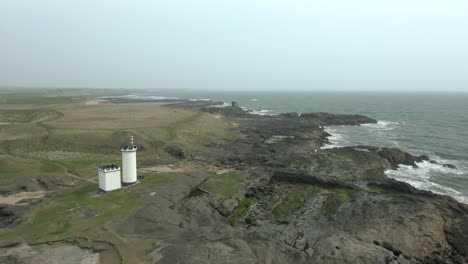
(236, 45)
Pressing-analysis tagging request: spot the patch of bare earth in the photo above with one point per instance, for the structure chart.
(179, 167)
(224, 171)
(96, 102)
(15, 198)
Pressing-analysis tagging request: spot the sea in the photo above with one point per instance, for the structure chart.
(433, 124)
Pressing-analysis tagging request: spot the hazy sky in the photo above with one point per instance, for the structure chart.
(241, 44)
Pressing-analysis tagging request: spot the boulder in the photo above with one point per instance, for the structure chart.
(175, 150)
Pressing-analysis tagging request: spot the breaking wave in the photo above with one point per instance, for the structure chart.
(141, 97)
(428, 176)
(383, 125)
(336, 139)
(425, 178)
(263, 112)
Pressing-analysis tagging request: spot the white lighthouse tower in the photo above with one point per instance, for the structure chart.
(129, 165)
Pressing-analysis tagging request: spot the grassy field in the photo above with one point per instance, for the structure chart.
(40, 135)
(55, 135)
(35, 98)
(84, 213)
(223, 185)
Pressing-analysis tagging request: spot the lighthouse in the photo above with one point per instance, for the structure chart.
(129, 165)
(109, 177)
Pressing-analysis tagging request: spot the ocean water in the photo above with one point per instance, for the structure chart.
(434, 124)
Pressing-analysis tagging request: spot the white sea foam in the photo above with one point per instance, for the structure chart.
(383, 125)
(335, 140)
(421, 178)
(225, 104)
(253, 100)
(204, 99)
(141, 97)
(263, 112)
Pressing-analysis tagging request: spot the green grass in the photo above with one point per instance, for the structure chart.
(35, 99)
(12, 167)
(196, 130)
(173, 128)
(158, 179)
(344, 177)
(285, 208)
(67, 135)
(335, 199)
(299, 164)
(21, 132)
(284, 205)
(64, 214)
(36, 141)
(28, 115)
(87, 168)
(81, 212)
(223, 185)
(240, 211)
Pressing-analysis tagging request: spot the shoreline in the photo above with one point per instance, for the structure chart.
(268, 187)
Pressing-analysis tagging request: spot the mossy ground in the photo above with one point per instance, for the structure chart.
(240, 211)
(287, 202)
(284, 204)
(336, 198)
(223, 185)
(299, 164)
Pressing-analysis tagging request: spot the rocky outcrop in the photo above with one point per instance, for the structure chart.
(33, 184)
(316, 206)
(396, 157)
(74, 251)
(11, 215)
(225, 110)
(175, 150)
(327, 119)
(296, 202)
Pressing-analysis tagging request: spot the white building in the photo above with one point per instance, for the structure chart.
(109, 177)
(129, 164)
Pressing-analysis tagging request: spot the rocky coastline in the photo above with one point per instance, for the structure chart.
(297, 203)
(313, 205)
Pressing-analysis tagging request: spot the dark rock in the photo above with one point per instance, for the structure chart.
(290, 115)
(327, 119)
(22, 184)
(449, 166)
(292, 176)
(396, 157)
(390, 247)
(175, 150)
(11, 260)
(11, 215)
(402, 187)
(12, 243)
(226, 111)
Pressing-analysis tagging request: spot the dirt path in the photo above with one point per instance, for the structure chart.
(80, 178)
(179, 167)
(95, 102)
(14, 198)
